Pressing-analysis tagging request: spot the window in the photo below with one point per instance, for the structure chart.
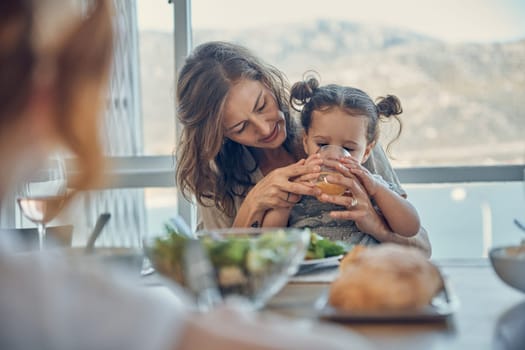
(139, 130)
(156, 56)
(460, 81)
(459, 73)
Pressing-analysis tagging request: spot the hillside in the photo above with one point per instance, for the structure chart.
(462, 102)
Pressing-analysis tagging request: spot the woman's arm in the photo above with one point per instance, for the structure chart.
(276, 218)
(420, 240)
(277, 190)
(250, 214)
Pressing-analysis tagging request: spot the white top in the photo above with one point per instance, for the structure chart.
(45, 304)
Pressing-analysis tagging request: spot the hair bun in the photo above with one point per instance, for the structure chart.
(302, 91)
(389, 106)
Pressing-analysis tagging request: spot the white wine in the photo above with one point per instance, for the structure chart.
(41, 209)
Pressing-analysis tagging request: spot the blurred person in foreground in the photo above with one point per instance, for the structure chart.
(54, 64)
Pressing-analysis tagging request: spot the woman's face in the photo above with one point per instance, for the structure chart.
(252, 116)
(336, 127)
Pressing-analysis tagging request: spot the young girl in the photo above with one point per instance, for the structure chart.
(346, 117)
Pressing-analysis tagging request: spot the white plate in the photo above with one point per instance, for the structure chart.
(333, 260)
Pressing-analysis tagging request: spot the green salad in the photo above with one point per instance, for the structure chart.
(320, 247)
(241, 262)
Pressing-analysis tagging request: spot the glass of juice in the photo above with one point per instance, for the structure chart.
(330, 154)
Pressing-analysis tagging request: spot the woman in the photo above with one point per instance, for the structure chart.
(54, 63)
(240, 152)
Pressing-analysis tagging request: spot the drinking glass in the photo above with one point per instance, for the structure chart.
(42, 195)
(330, 154)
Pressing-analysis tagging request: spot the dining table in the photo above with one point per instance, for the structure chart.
(489, 314)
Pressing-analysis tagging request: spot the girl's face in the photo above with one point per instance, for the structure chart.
(336, 127)
(252, 116)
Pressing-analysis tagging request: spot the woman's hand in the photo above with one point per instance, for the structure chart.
(358, 205)
(283, 187)
(366, 178)
(310, 177)
(279, 189)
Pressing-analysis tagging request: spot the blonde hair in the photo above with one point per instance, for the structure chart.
(78, 60)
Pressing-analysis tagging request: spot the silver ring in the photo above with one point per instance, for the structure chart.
(288, 196)
(353, 203)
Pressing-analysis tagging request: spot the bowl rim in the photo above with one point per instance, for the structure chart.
(247, 230)
(199, 234)
(493, 253)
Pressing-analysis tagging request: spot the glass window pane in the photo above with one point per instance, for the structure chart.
(466, 220)
(136, 213)
(161, 205)
(459, 72)
(458, 68)
(156, 55)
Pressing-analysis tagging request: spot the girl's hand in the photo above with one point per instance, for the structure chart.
(358, 205)
(283, 187)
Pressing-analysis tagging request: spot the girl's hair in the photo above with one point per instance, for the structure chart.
(312, 97)
(208, 164)
(79, 62)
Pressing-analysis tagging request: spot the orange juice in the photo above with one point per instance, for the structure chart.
(329, 188)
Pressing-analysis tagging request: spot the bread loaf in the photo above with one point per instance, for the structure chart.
(385, 277)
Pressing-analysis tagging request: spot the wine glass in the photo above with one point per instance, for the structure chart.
(330, 154)
(42, 195)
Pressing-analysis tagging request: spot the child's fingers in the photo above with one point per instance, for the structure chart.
(308, 178)
(352, 163)
(314, 159)
(361, 174)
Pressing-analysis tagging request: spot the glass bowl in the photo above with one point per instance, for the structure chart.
(250, 263)
(509, 265)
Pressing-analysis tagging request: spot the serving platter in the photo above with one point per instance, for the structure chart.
(332, 260)
(443, 305)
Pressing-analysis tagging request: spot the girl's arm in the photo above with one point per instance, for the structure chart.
(399, 213)
(378, 163)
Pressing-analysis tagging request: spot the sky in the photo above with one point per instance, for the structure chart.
(448, 20)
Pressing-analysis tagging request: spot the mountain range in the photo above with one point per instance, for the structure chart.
(462, 102)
